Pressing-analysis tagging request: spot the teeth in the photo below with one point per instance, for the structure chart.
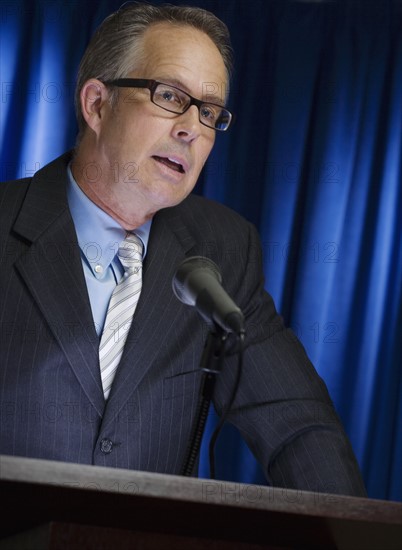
(180, 167)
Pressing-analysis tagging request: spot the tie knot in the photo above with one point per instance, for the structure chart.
(130, 253)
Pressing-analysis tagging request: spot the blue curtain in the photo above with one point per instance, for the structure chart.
(314, 160)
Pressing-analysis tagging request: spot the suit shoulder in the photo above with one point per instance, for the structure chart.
(14, 186)
(204, 211)
(12, 195)
(12, 192)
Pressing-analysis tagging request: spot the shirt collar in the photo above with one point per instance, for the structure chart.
(99, 235)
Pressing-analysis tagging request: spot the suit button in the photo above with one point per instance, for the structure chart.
(106, 446)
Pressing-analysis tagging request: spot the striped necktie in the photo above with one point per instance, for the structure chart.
(121, 310)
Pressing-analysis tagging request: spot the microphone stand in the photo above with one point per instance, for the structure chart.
(211, 365)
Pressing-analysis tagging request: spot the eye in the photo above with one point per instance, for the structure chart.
(170, 96)
(209, 112)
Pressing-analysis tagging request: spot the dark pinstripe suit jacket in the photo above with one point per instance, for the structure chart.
(52, 404)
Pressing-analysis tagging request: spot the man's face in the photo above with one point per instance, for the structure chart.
(136, 139)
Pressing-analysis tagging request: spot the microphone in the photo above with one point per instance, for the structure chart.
(197, 282)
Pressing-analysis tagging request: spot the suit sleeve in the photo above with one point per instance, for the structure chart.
(282, 407)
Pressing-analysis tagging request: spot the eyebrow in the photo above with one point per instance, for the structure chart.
(212, 98)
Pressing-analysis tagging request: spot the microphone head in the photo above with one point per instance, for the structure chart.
(197, 282)
(190, 266)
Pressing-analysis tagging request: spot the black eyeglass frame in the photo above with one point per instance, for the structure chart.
(153, 84)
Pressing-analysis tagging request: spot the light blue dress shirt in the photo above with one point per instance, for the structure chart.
(99, 237)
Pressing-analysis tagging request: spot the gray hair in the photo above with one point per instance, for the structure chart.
(116, 45)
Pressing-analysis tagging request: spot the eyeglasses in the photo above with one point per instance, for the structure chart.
(174, 100)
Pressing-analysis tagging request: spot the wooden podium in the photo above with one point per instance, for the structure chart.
(60, 506)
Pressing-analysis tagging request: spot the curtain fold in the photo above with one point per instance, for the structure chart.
(313, 159)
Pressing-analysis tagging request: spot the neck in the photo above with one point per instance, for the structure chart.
(98, 181)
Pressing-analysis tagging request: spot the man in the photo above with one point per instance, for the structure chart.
(81, 385)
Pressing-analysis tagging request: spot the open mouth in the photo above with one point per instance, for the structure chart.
(174, 165)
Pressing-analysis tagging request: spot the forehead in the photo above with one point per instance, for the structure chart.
(184, 56)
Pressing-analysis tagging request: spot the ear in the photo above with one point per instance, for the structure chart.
(94, 96)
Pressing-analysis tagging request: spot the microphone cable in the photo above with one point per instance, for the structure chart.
(227, 409)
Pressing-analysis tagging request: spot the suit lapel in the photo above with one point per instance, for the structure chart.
(52, 271)
(156, 315)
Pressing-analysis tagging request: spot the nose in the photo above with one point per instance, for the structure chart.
(187, 126)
